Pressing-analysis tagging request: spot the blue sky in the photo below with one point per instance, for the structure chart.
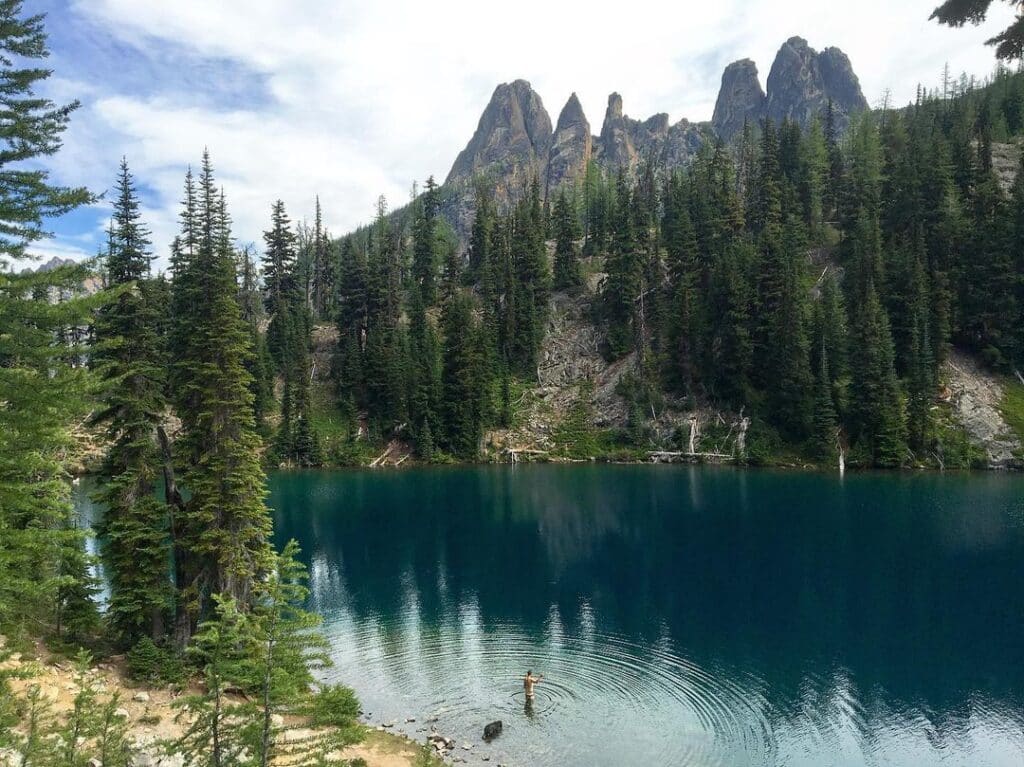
(350, 100)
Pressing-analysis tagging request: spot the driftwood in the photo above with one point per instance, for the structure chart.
(515, 452)
(694, 433)
(1019, 376)
(740, 448)
(678, 456)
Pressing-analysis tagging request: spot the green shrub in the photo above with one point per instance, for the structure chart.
(954, 447)
(334, 706)
(154, 665)
(763, 444)
(1012, 406)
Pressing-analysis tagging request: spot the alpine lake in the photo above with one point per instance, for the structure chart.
(678, 615)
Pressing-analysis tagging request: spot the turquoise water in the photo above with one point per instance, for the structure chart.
(681, 616)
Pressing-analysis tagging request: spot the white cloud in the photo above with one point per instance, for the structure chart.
(366, 98)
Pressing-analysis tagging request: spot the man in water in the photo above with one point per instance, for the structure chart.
(529, 682)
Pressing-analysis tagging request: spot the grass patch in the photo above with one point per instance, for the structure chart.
(327, 418)
(576, 437)
(1012, 406)
(337, 432)
(954, 446)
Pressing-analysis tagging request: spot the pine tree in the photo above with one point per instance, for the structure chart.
(1009, 43)
(260, 365)
(830, 340)
(621, 287)
(222, 532)
(814, 171)
(922, 379)
(424, 256)
(567, 274)
(220, 731)
(1017, 246)
(833, 192)
(876, 407)
(323, 273)
(462, 384)
(482, 234)
(41, 390)
(791, 388)
(286, 650)
(280, 284)
(825, 427)
(424, 378)
(683, 331)
(733, 345)
(129, 358)
(352, 324)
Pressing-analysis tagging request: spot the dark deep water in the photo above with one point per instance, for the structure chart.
(681, 616)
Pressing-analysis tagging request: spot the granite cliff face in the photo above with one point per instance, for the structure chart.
(740, 99)
(802, 81)
(514, 142)
(800, 84)
(512, 139)
(509, 148)
(571, 146)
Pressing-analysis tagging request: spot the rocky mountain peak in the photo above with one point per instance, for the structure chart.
(841, 83)
(571, 145)
(740, 99)
(514, 140)
(571, 114)
(800, 85)
(616, 144)
(513, 135)
(614, 110)
(511, 146)
(803, 81)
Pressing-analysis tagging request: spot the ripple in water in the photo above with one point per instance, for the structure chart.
(595, 692)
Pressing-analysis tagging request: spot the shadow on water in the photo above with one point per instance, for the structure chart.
(681, 614)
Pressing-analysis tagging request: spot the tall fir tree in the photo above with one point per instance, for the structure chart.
(130, 361)
(567, 275)
(43, 392)
(222, 532)
(621, 288)
(877, 410)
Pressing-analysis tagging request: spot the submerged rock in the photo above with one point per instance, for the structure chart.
(492, 730)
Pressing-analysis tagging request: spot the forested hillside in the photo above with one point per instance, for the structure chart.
(813, 280)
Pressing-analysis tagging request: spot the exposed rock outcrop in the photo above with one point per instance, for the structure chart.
(976, 397)
(800, 85)
(802, 81)
(514, 141)
(615, 144)
(510, 147)
(512, 137)
(624, 141)
(741, 99)
(571, 145)
(841, 82)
